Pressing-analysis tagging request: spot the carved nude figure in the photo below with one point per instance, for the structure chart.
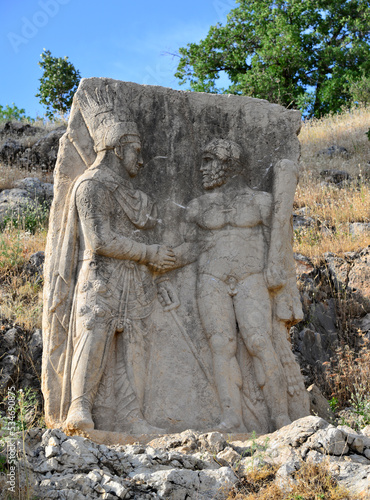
(239, 263)
(114, 293)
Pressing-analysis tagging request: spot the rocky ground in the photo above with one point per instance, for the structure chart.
(189, 465)
(335, 295)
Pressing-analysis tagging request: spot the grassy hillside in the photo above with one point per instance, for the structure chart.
(333, 208)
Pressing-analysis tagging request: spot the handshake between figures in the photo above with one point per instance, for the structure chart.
(160, 258)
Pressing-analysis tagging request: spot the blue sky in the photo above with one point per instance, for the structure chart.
(121, 39)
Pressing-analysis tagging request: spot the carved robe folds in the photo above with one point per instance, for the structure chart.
(139, 305)
(113, 294)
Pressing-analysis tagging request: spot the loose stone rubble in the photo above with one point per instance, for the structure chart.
(190, 465)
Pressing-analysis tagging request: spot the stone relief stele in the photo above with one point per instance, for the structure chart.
(169, 277)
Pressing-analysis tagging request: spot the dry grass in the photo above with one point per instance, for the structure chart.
(310, 482)
(10, 175)
(347, 129)
(348, 374)
(332, 208)
(20, 294)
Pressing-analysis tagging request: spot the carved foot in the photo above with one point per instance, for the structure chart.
(292, 372)
(79, 419)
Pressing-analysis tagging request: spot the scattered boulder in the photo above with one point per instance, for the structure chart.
(35, 266)
(333, 151)
(42, 191)
(19, 129)
(358, 228)
(303, 264)
(20, 153)
(301, 221)
(10, 152)
(30, 199)
(359, 278)
(337, 177)
(319, 405)
(20, 358)
(44, 153)
(14, 203)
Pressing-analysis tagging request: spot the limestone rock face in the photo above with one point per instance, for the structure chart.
(190, 464)
(169, 271)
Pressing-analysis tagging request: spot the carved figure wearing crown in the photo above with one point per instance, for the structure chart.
(104, 267)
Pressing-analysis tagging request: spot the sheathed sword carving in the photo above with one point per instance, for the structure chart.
(170, 302)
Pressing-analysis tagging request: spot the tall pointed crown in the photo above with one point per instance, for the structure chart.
(105, 128)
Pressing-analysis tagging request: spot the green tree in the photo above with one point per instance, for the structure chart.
(58, 84)
(13, 113)
(298, 53)
(360, 91)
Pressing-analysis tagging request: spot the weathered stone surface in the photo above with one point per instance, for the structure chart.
(182, 275)
(42, 191)
(26, 151)
(18, 129)
(359, 278)
(319, 404)
(65, 467)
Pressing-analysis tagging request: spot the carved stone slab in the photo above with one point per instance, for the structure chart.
(169, 274)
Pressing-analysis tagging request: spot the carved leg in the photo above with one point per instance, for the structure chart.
(253, 313)
(90, 350)
(218, 319)
(298, 399)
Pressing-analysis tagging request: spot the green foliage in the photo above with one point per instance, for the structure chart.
(334, 403)
(11, 256)
(360, 91)
(298, 53)
(31, 218)
(360, 408)
(58, 84)
(27, 411)
(9, 113)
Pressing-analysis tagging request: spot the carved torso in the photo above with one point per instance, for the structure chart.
(234, 226)
(110, 243)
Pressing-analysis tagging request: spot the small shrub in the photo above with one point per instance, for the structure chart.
(348, 378)
(30, 218)
(9, 113)
(310, 482)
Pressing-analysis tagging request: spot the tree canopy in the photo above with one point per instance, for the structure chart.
(303, 54)
(58, 83)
